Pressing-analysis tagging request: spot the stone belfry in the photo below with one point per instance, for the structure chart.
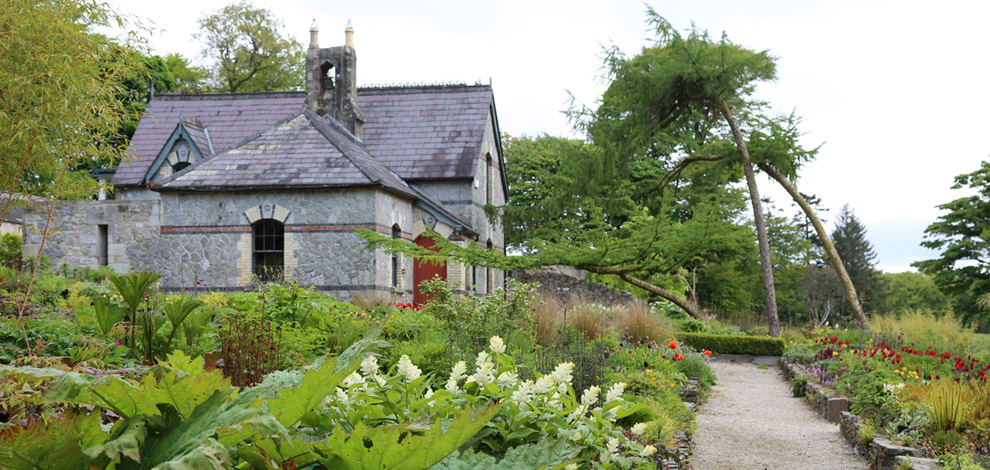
(331, 81)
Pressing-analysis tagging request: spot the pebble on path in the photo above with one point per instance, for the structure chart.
(752, 422)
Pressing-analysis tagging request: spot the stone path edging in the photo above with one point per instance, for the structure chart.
(881, 453)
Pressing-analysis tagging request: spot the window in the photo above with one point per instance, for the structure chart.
(102, 244)
(396, 234)
(179, 167)
(489, 281)
(489, 184)
(269, 249)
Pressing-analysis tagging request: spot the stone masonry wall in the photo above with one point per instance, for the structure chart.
(132, 229)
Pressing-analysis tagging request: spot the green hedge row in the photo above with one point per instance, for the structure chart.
(728, 344)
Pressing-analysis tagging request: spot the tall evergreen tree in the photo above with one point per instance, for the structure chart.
(859, 258)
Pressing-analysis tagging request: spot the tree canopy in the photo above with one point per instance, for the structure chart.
(962, 235)
(60, 90)
(250, 50)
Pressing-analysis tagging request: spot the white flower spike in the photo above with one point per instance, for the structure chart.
(496, 345)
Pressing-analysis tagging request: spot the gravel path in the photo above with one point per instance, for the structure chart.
(752, 422)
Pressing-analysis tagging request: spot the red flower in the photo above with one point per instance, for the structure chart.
(708, 353)
(673, 344)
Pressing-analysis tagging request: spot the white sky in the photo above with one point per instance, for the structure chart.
(896, 90)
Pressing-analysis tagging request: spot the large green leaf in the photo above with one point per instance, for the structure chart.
(292, 404)
(43, 446)
(126, 440)
(401, 447)
(190, 443)
(541, 455)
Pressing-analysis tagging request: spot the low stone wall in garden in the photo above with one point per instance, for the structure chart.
(880, 452)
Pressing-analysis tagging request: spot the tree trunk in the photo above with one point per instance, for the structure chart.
(773, 322)
(687, 305)
(833, 256)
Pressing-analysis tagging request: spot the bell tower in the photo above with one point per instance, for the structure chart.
(331, 81)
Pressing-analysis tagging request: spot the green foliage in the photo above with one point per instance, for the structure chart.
(60, 107)
(733, 344)
(909, 291)
(799, 353)
(961, 236)
(45, 446)
(178, 310)
(961, 460)
(250, 50)
(948, 406)
(188, 78)
(10, 248)
(536, 456)
(865, 433)
(694, 366)
(859, 259)
(107, 314)
(945, 332)
(946, 440)
(799, 385)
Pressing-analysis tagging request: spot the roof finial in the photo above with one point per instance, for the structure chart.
(313, 32)
(349, 34)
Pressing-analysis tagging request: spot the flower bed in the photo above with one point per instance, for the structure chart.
(905, 398)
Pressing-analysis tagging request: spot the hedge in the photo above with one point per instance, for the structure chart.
(729, 344)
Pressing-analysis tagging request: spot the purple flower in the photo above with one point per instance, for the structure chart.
(118, 342)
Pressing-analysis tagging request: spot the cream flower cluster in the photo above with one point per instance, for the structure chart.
(408, 370)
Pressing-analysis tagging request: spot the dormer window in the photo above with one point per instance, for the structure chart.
(180, 166)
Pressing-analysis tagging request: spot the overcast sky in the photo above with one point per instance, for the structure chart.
(897, 91)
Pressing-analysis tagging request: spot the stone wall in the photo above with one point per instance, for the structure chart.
(132, 229)
(566, 285)
(881, 453)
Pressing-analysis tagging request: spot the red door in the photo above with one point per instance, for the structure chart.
(424, 270)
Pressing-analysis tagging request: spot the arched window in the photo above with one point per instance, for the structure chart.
(179, 167)
(396, 234)
(489, 281)
(269, 249)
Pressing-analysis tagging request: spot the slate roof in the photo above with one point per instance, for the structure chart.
(230, 119)
(428, 132)
(304, 151)
(422, 133)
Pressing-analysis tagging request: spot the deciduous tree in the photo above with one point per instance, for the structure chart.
(250, 50)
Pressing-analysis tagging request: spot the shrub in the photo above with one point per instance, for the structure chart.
(726, 344)
(10, 249)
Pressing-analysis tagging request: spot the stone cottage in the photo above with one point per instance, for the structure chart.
(232, 188)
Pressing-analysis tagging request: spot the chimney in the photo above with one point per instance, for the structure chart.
(331, 81)
(313, 32)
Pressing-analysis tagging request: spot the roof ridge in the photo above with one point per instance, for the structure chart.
(228, 96)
